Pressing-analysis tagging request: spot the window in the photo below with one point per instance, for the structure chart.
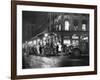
(84, 25)
(76, 24)
(67, 25)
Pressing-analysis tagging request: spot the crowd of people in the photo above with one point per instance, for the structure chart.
(49, 44)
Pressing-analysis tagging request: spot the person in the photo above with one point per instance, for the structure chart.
(40, 49)
(60, 47)
(64, 48)
(37, 47)
(56, 49)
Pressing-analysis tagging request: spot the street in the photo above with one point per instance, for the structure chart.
(54, 61)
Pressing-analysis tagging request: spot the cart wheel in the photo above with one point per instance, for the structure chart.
(76, 52)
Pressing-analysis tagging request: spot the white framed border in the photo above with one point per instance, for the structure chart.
(21, 71)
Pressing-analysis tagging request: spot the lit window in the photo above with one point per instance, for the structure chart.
(75, 42)
(67, 25)
(84, 27)
(67, 42)
(59, 27)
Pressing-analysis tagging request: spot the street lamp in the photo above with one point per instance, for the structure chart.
(46, 34)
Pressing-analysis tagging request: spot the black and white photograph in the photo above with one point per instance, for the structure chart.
(54, 39)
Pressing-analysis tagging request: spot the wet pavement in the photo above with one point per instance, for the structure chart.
(54, 61)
